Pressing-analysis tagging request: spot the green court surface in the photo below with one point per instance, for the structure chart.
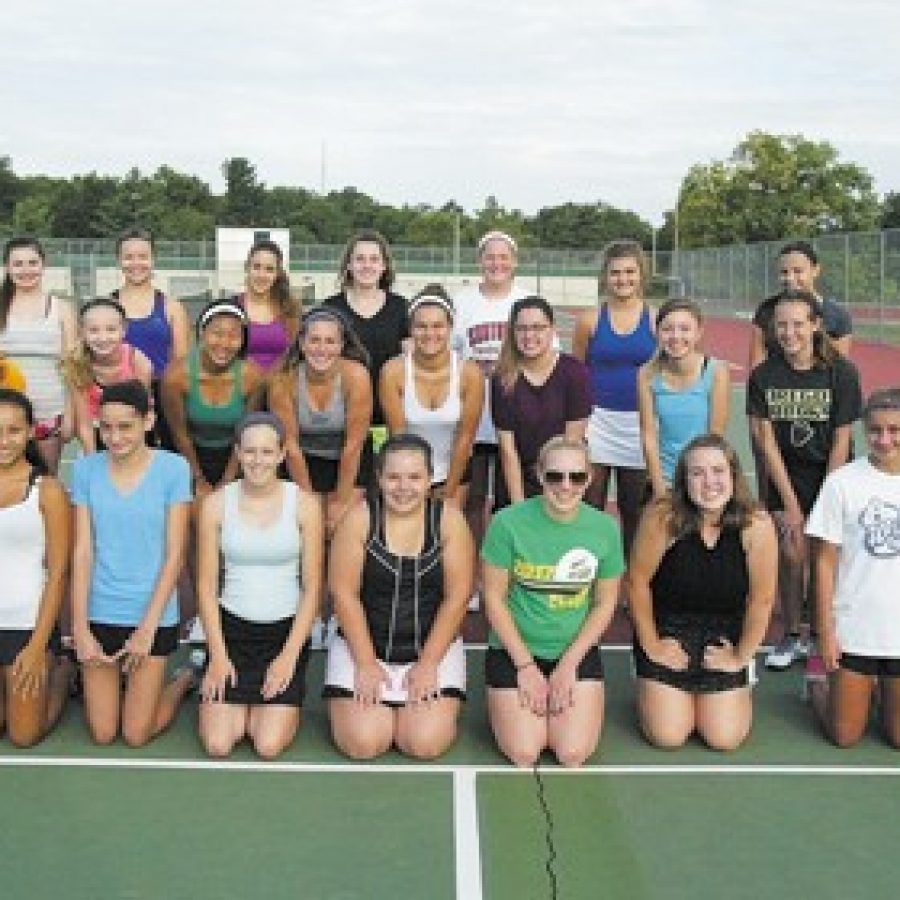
(787, 813)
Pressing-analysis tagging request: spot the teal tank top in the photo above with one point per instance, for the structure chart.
(212, 425)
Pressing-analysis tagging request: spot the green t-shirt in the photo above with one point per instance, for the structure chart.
(553, 567)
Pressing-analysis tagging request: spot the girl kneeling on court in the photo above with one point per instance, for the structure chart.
(269, 535)
(857, 519)
(551, 571)
(131, 516)
(400, 573)
(35, 539)
(702, 580)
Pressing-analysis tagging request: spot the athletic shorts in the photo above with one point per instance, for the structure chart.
(213, 461)
(500, 672)
(112, 638)
(695, 633)
(876, 666)
(323, 473)
(13, 641)
(341, 670)
(251, 647)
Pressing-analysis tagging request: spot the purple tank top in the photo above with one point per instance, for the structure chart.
(614, 359)
(267, 342)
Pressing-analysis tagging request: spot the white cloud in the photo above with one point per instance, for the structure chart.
(420, 103)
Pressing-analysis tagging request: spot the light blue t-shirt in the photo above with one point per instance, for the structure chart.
(129, 533)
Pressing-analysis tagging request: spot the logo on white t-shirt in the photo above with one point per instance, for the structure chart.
(880, 522)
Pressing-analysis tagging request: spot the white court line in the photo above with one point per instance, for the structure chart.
(349, 768)
(465, 834)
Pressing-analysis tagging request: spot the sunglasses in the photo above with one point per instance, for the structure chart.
(554, 476)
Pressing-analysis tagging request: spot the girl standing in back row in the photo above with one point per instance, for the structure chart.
(682, 393)
(156, 325)
(614, 341)
(36, 331)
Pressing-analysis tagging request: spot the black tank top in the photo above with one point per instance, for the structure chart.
(693, 578)
(401, 594)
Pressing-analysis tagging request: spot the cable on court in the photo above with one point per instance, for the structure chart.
(550, 862)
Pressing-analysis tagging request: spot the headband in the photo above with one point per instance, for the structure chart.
(260, 418)
(497, 236)
(432, 300)
(224, 308)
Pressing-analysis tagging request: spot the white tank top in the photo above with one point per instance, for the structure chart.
(22, 548)
(262, 563)
(35, 346)
(437, 426)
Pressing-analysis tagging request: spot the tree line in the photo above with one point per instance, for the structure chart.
(770, 187)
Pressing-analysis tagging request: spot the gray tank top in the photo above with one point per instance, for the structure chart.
(321, 433)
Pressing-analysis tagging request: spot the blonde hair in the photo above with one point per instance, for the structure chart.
(560, 442)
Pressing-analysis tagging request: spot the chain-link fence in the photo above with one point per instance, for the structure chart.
(860, 270)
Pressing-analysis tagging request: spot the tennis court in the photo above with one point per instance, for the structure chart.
(785, 814)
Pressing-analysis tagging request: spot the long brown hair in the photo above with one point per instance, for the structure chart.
(7, 288)
(287, 308)
(367, 236)
(351, 346)
(824, 352)
(509, 362)
(684, 515)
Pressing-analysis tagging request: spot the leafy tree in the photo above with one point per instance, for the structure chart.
(773, 186)
(10, 189)
(244, 196)
(890, 210)
(587, 225)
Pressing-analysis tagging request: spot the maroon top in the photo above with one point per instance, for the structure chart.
(536, 413)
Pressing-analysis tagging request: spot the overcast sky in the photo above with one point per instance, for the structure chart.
(534, 102)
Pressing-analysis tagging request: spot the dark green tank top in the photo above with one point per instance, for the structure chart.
(212, 425)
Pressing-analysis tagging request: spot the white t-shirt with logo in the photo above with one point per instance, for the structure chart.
(478, 329)
(858, 509)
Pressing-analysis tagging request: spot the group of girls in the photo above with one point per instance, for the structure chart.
(483, 409)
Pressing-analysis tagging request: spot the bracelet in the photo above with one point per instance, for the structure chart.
(527, 665)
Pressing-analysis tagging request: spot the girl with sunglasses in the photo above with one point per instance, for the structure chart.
(536, 393)
(551, 571)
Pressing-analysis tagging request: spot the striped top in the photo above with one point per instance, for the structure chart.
(36, 346)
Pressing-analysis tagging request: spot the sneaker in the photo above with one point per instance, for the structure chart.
(785, 653)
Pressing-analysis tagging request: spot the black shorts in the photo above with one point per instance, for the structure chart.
(162, 432)
(499, 671)
(112, 638)
(875, 666)
(323, 473)
(251, 648)
(695, 633)
(485, 470)
(213, 462)
(13, 640)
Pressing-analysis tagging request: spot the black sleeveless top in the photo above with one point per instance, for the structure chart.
(401, 594)
(698, 580)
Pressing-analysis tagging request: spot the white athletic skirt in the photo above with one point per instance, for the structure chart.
(614, 439)
(340, 670)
